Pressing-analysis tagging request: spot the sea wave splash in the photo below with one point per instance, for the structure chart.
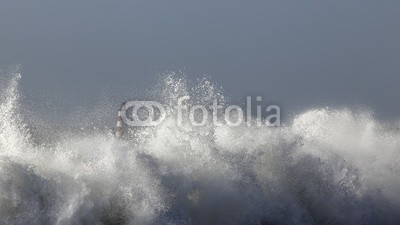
(326, 166)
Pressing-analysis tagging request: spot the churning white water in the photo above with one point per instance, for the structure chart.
(325, 166)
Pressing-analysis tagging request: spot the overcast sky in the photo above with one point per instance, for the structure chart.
(298, 53)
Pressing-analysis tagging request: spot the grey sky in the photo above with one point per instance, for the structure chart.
(298, 54)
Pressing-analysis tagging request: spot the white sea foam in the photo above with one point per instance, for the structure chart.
(326, 166)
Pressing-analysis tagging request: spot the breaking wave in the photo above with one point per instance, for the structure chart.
(325, 166)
